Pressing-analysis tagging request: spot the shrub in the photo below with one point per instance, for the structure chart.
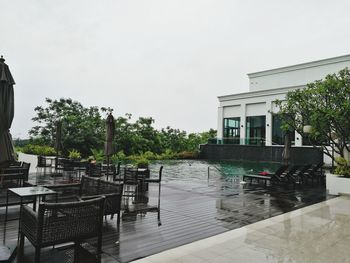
(39, 150)
(142, 162)
(74, 155)
(98, 155)
(343, 167)
(118, 157)
(149, 155)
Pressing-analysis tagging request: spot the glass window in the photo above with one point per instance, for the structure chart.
(278, 133)
(231, 130)
(255, 130)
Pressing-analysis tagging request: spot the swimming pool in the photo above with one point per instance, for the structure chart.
(188, 170)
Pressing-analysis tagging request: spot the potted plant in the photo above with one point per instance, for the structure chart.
(74, 155)
(142, 162)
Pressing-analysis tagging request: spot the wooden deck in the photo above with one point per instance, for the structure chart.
(190, 211)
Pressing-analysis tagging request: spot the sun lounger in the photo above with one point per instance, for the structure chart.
(268, 177)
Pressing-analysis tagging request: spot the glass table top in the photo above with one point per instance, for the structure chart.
(31, 191)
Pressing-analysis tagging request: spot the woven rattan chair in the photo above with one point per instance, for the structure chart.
(42, 164)
(13, 172)
(57, 223)
(90, 188)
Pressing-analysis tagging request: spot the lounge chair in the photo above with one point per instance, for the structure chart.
(275, 177)
(315, 173)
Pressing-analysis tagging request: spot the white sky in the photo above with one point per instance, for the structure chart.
(168, 59)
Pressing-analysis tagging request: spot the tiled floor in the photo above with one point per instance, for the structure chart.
(317, 233)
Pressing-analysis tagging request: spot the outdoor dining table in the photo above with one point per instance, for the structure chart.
(28, 192)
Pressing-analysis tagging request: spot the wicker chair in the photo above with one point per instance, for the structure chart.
(57, 223)
(13, 172)
(94, 170)
(43, 164)
(94, 187)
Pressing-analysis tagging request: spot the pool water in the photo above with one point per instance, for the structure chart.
(187, 170)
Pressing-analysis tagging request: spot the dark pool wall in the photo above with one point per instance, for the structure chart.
(299, 155)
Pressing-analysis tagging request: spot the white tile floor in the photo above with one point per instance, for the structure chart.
(317, 233)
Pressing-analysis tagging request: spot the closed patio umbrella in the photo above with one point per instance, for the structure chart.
(58, 141)
(286, 150)
(110, 132)
(7, 153)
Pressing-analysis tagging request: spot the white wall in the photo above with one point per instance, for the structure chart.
(244, 106)
(297, 75)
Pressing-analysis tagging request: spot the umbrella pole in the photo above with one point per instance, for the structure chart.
(107, 166)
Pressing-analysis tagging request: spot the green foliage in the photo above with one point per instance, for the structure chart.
(74, 155)
(343, 167)
(325, 105)
(83, 129)
(141, 162)
(20, 142)
(97, 155)
(39, 150)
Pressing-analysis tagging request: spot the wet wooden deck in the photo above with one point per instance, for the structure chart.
(190, 211)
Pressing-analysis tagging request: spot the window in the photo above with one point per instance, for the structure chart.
(231, 130)
(255, 132)
(278, 133)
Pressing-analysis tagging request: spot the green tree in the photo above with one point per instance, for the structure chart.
(83, 128)
(325, 105)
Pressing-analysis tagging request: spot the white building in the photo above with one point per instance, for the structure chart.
(247, 118)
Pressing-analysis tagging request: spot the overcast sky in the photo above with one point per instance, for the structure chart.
(168, 59)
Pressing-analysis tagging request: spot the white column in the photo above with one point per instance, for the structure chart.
(268, 125)
(220, 123)
(243, 123)
(298, 139)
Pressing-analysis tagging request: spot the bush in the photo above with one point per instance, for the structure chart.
(74, 155)
(98, 155)
(150, 155)
(343, 167)
(142, 162)
(39, 150)
(118, 157)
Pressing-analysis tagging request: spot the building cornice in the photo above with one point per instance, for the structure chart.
(312, 64)
(260, 93)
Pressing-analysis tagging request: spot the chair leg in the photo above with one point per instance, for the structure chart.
(99, 244)
(37, 255)
(76, 251)
(118, 218)
(20, 247)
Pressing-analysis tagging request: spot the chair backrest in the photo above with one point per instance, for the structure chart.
(26, 167)
(118, 168)
(117, 172)
(160, 173)
(130, 176)
(64, 222)
(281, 169)
(41, 161)
(305, 168)
(292, 170)
(94, 170)
(89, 186)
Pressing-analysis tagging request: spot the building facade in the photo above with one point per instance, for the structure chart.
(249, 118)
